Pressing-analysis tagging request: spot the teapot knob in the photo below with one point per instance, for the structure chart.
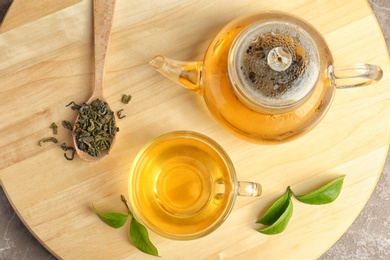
(279, 59)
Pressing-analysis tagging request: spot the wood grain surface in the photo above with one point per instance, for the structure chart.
(22, 12)
(48, 62)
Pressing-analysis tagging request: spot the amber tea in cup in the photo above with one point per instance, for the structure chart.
(183, 185)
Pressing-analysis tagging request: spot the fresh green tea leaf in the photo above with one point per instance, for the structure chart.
(113, 219)
(139, 237)
(138, 234)
(326, 194)
(276, 210)
(281, 223)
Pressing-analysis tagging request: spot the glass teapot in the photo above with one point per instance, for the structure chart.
(268, 77)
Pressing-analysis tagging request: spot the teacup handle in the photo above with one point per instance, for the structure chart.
(358, 75)
(249, 189)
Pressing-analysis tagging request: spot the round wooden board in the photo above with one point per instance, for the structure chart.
(46, 63)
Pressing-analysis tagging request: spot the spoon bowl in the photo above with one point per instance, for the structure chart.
(103, 11)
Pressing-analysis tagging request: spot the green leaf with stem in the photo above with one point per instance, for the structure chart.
(276, 210)
(113, 219)
(281, 223)
(323, 195)
(278, 215)
(139, 236)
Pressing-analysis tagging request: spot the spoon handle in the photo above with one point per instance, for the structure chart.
(103, 11)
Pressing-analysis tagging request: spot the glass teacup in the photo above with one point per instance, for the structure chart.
(183, 185)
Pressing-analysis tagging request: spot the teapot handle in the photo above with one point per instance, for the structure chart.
(355, 76)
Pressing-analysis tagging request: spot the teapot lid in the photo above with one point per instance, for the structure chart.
(273, 65)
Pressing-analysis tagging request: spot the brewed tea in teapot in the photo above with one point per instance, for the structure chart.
(267, 78)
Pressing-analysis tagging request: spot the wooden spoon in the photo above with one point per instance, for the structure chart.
(103, 11)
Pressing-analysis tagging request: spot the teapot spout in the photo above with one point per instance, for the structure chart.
(187, 74)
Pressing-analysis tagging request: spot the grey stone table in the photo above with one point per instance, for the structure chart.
(367, 238)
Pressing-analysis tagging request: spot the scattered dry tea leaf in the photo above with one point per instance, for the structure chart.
(126, 99)
(54, 127)
(48, 139)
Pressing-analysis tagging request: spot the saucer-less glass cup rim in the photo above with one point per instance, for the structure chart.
(200, 203)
